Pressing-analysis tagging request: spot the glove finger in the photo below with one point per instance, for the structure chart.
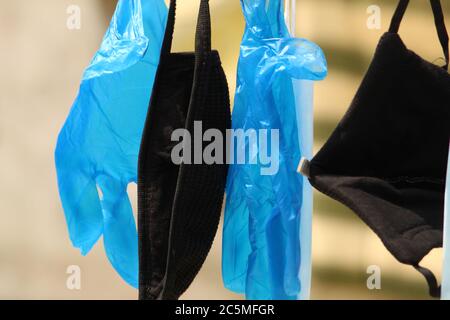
(80, 200)
(235, 245)
(120, 232)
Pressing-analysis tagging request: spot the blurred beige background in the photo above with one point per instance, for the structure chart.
(41, 67)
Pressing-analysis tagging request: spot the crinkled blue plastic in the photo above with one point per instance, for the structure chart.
(445, 292)
(261, 245)
(97, 150)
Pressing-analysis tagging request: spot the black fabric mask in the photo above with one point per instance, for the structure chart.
(387, 158)
(179, 205)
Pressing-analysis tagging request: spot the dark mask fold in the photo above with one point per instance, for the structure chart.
(179, 206)
(387, 158)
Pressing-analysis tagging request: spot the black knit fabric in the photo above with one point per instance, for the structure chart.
(180, 205)
(387, 158)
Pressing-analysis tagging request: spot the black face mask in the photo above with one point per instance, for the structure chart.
(387, 158)
(180, 205)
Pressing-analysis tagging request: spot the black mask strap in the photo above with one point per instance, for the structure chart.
(435, 289)
(203, 33)
(438, 19)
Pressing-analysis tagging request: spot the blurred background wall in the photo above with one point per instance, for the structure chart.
(41, 67)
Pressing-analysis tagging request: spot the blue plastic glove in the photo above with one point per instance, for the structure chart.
(261, 242)
(97, 150)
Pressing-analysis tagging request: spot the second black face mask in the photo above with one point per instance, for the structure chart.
(180, 205)
(387, 158)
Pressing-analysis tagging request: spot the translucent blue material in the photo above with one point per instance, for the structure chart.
(304, 95)
(261, 245)
(97, 150)
(445, 293)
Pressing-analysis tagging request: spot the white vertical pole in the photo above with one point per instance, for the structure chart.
(293, 16)
(304, 94)
(445, 291)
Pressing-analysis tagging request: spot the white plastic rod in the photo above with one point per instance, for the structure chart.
(445, 292)
(304, 96)
(293, 17)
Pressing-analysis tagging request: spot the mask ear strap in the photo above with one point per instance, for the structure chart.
(398, 16)
(441, 28)
(203, 33)
(438, 19)
(170, 25)
(435, 289)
